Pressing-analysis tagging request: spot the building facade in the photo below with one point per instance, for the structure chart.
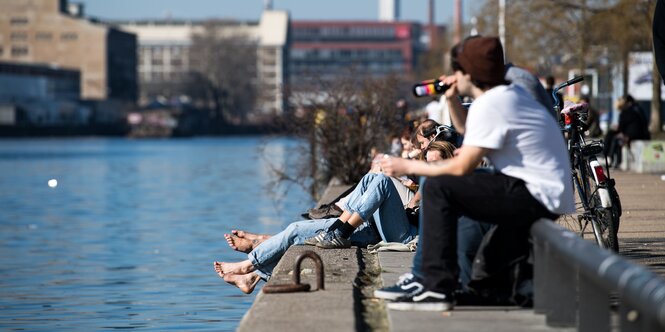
(20, 82)
(165, 62)
(45, 32)
(40, 95)
(329, 49)
(163, 56)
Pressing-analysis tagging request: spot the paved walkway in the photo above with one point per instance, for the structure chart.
(642, 227)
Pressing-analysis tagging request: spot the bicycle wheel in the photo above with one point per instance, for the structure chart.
(606, 219)
(575, 221)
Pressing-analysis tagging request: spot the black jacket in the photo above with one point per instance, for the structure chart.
(659, 36)
(633, 123)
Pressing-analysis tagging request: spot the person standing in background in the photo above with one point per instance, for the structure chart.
(659, 37)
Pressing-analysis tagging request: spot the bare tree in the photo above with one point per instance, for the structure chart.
(573, 34)
(223, 74)
(432, 62)
(342, 121)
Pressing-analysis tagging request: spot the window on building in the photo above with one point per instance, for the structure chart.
(18, 21)
(69, 36)
(44, 36)
(157, 76)
(298, 53)
(19, 36)
(19, 50)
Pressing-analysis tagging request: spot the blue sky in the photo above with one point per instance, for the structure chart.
(413, 10)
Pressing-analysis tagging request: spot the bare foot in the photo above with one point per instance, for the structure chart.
(245, 282)
(243, 241)
(218, 269)
(251, 236)
(243, 267)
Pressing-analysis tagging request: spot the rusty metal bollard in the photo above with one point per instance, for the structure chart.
(297, 286)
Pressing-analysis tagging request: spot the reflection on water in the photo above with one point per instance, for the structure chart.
(127, 238)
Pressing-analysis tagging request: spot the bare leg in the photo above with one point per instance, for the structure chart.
(243, 267)
(355, 220)
(243, 241)
(245, 282)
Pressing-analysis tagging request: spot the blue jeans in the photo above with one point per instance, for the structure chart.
(376, 197)
(377, 202)
(266, 256)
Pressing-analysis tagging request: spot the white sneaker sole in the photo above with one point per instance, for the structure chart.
(421, 306)
(387, 295)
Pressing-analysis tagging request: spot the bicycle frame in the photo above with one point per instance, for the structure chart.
(584, 164)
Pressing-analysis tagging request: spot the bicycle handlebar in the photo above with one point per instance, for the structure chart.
(563, 85)
(568, 82)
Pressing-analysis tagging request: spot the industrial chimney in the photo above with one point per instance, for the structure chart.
(388, 10)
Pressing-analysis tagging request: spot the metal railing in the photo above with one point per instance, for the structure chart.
(576, 283)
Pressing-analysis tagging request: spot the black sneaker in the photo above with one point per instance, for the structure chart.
(424, 300)
(334, 240)
(312, 241)
(406, 284)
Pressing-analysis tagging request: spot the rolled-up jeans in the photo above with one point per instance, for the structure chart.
(266, 256)
(376, 198)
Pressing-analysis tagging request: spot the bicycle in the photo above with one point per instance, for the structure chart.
(599, 203)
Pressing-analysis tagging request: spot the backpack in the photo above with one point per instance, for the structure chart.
(502, 271)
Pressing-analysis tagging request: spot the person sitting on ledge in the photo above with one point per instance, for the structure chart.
(531, 178)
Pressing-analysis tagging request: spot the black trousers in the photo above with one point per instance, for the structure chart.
(491, 198)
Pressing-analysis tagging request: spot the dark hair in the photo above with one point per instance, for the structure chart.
(629, 99)
(427, 128)
(549, 80)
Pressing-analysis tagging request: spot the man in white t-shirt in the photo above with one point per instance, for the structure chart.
(523, 142)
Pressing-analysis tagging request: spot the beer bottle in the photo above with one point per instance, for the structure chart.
(429, 88)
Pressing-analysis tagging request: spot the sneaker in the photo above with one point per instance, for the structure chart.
(406, 284)
(324, 212)
(334, 240)
(424, 300)
(312, 241)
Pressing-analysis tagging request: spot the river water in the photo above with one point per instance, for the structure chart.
(127, 238)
